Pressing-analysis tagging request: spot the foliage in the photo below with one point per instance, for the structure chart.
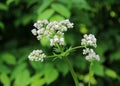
(90, 16)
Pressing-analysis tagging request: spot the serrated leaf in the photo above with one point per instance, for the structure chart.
(64, 11)
(46, 14)
(8, 58)
(5, 79)
(111, 73)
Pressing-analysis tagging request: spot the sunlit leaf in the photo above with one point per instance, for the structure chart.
(8, 58)
(22, 78)
(57, 18)
(43, 6)
(64, 11)
(5, 79)
(46, 14)
(111, 73)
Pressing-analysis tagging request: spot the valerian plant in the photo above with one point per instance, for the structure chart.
(55, 31)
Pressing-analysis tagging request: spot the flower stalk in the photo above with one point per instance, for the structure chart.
(75, 78)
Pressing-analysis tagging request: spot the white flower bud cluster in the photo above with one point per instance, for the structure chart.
(53, 30)
(91, 55)
(89, 40)
(37, 55)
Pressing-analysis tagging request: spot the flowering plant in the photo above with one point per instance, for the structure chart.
(55, 31)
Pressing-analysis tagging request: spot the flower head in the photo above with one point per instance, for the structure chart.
(89, 40)
(37, 55)
(90, 54)
(53, 30)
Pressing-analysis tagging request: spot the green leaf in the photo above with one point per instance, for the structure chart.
(4, 69)
(111, 73)
(38, 82)
(43, 6)
(115, 56)
(98, 69)
(82, 4)
(1, 25)
(18, 69)
(8, 58)
(57, 18)
(3, 7)
(35, 78)
(64, 11)
(62, 67)
(37, 65)
(8, 2)
(22, 78)
(5, 79)
(27, 19)
(46, 14)
(51, 74)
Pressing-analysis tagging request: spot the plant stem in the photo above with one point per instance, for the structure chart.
(78, 47)
(71, 71)
(90, 73)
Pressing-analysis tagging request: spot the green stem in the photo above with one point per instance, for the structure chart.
(90, 73)
(78, 47)
(71, 71)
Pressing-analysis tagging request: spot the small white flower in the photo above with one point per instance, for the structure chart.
(63, 28)
(60, 33)
(87, 50)
(51, 42)
(34, 32)
(40, 31)
(53, 30)
(45, 21)
(62, 41)
(39, 37)
(89, 40)
(91, 55)
(37, 55)
(56, 39)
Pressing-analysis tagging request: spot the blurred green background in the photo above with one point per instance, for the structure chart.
(99, 17)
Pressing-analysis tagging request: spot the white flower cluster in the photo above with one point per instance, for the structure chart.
(89, 40)
(53, 30)
(37, 55)
(91, 55)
